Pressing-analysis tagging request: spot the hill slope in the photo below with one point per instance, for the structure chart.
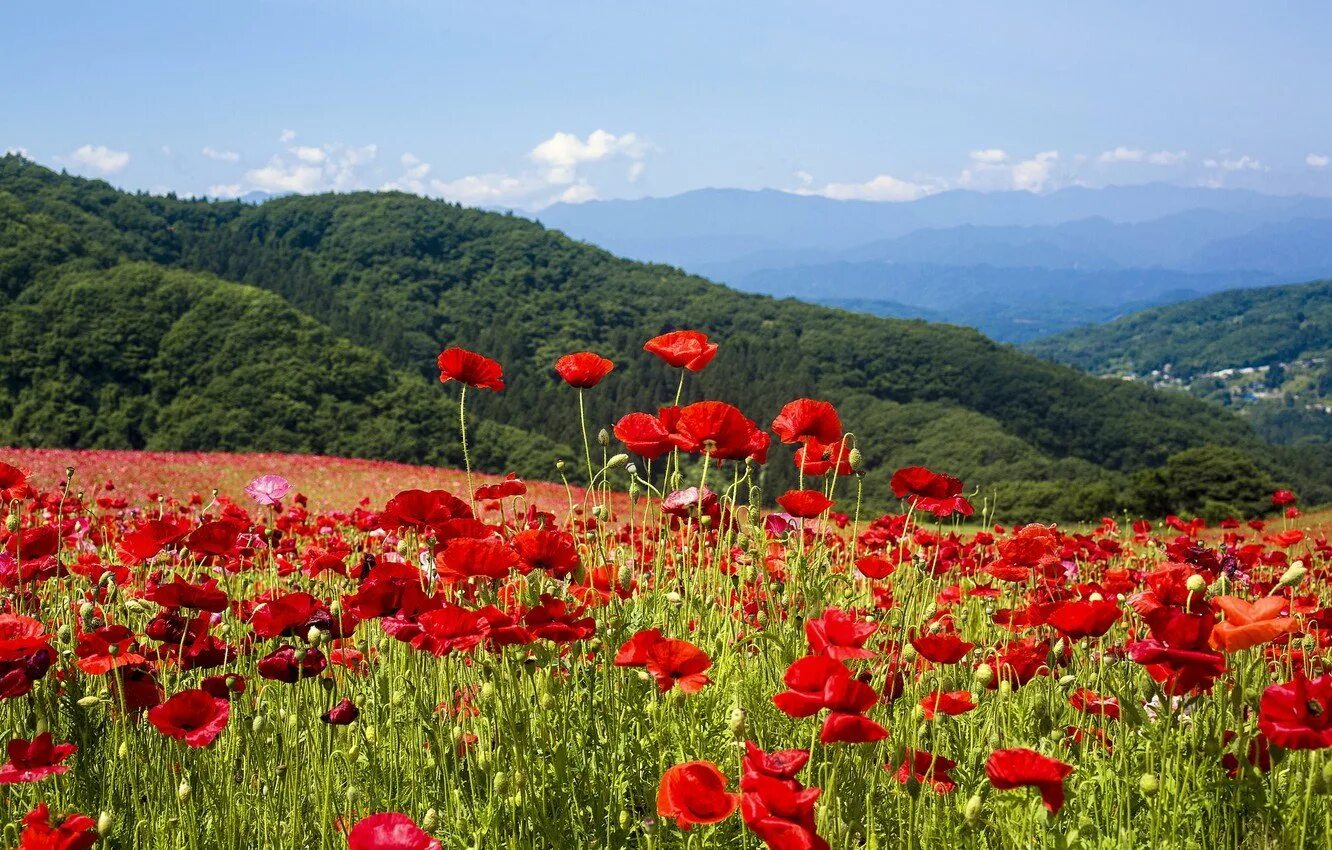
(1263, 352)
(401, 276)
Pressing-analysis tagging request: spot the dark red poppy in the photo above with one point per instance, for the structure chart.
(1089, 702)
(288, 664)
(182, 594)
(224, 685)
(451, 628)
(510, 486)
(1297, 715)
(470, 368)
(1080, 619)
(929, 491)
(32, 760)
(553, 552)
(1281, 498)
(584, 369)
(389, 831)
(1021, 767)
(195, 717)
(13, 481)
(75, 832)
(808, 419)
(695, 792)
(683, 349)
(343, 713)
(782, 764)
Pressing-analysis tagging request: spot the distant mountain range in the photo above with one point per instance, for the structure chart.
(1014, 264)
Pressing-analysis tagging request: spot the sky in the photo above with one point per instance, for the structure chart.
(523, 104)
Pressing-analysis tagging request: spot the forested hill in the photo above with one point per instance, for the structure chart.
(398, 276)
(1261, 352)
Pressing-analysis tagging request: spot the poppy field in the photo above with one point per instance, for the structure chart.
(275, 652)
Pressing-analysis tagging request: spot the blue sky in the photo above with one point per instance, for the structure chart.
(521, 104)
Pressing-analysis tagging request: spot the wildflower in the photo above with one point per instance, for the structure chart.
(1079, 619)
(470, 369)
(804, 504)
(343, 713)
(1016, 768)
(195, 717)
(584, 369)
(683, 349)
(1249, 624)
(926, 768)
(268, 490)
(806, 420)
(951, 703)
(75, 832)
(1297, 715)
(933, 492)
(389, 831)
(32, 760)
(695, 792)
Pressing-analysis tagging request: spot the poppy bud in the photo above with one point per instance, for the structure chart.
(617, 461)
(315, 636)
(90, 701)
(674, 598)
(430, 821)
(352, 795)
(737, 723)
(984, 674)
(603, 437)
(624, 818)
(105, 821)
(600, 512)
(488, 691)
(972, 810)
(12, 522)
(1148, 784)
(1067, 680)
(1095, 597)
(559, 465)
(501, 783)
(86, 610)
(259, 724)
(1293, 576)
(855, 458)
(1196, 583)
(183, 791)
(123, 750)
(548, 702)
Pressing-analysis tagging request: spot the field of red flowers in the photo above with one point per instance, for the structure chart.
(206, 651)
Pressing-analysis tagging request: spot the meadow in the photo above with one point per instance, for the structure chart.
(274, 651)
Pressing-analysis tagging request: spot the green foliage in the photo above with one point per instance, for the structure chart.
(1213, 482)
(403, 276)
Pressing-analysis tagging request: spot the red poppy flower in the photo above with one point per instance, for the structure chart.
(951, 703)
(467, 557)
(32, 760)
(678, 662)
(719, 430)
(644, 434)
(510, 486)
(634, 652)
(1090, 702)
(13, 481)
(451, 628)
(75, 832)
(695, 792)
(343, 713)
(805, 680)
(214, 538)
(817, 459)
(182, 594)
(926, 768)
(804, 504)
(389, 831)
(1080, 619)
(839, 634)
(933, 492)
(808, 419)
(1281, 498)
(289, 615)
(583, 370)
(105, 649)
(875, 566)
(1297, 715)
(195, 717)
(287, 664)
(33, 544)
(683, 349)
(470, 368)
(152, 537)
(783, 764)
(1021, 767)
(942, 648)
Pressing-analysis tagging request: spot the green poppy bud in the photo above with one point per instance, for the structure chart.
(1148, 784)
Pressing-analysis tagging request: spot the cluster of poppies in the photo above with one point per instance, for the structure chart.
(278, 595)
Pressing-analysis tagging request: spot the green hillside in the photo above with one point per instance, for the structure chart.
(396, 277)
(1263, 353)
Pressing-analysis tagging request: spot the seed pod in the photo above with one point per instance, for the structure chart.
(737, 723)
(1293, 575)
(430, 821)
(617, 461)
(972, 810)
(90, 701)
(105, 821)
(1148, 784)
(984, 674)
(12, 522)
(183, 791)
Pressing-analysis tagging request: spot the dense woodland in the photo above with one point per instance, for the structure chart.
(312, 324)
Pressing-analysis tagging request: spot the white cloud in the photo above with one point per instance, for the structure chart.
(884, 187)
(99, 158)
(413, 177)
(1033, 174)
(1167, 157)
(635, 171)
(486, 189)
(804, 177)
(220, 156)
(310, 155)
(1313, 160)
(286, 136)
(225, 190)
(578, 193)
(280, 176)
(1243, 163)
(563, 153)
(989, 156)
(19, 151)
(1123, 154)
